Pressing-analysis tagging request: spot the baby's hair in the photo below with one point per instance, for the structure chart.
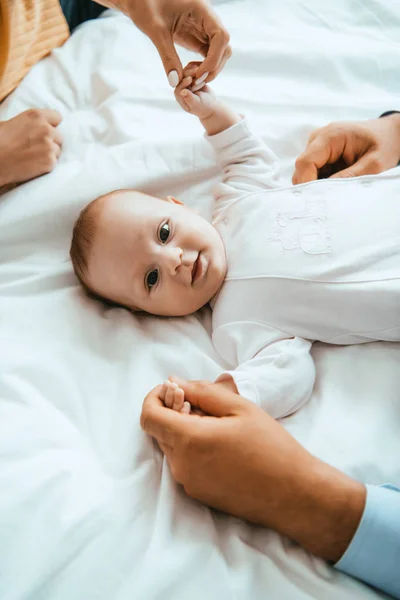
(83, 235)
(82, 242)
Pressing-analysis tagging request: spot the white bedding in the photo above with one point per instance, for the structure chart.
(87, 505)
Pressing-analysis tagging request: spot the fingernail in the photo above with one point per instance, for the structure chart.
(202, 78)
(174, 385)
(184, 93)
(173, 78)
(196, 88)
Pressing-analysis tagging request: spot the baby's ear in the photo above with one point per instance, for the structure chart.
(174, 200)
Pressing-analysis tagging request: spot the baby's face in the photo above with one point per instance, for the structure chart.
(155, 255)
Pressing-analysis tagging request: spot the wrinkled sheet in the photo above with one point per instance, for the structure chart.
(88, 508)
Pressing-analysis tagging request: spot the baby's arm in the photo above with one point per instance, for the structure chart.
(213, 114)
(277, 375)
(248, 164)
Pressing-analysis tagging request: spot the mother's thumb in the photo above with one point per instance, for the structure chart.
(165, 45)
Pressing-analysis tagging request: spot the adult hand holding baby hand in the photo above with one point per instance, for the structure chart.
(350, 149)
(192, 24)
(199, 100)
(201, 103)
(240, 460)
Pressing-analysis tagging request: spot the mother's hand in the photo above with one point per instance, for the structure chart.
(350, 149)
(190, 23)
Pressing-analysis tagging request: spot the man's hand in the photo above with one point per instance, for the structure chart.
(192, 24)
(30, 145)
(241, 461)
(350, 149)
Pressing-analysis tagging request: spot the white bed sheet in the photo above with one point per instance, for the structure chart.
(87, 505)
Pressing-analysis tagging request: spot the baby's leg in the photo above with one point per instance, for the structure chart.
(174, 397)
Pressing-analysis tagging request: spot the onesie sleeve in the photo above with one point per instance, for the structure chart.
(248, 165)
(275, 371)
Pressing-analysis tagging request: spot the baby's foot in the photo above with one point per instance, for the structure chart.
(174, 397)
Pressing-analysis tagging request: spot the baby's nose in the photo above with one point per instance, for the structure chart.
(173, 259)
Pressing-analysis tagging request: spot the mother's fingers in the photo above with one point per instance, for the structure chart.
(163, 41)
(225, 57)
(218, 44)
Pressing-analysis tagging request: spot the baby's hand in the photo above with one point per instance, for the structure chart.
(174, 397)
(201, 103)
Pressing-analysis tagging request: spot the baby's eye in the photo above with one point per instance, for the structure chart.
(152, 279)
(164, 233)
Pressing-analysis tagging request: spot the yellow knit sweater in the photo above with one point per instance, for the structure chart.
(29, 29)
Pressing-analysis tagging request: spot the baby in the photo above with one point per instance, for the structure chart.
(280, 266)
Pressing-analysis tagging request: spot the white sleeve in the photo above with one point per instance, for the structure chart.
(248, 164)
(274, 371)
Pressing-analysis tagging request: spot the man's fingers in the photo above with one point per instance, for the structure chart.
(57, 150)
(52, 116)
(318, 153)
(161, 422)
(368, 164)
(165, 450)
(304, 171)
(164, 43)
(213, 400)
(57, 137)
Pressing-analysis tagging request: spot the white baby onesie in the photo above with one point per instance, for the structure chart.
(318, 261)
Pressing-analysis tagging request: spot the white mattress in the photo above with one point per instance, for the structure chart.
(88, 509)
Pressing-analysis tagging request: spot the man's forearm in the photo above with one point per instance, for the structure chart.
(325, 512)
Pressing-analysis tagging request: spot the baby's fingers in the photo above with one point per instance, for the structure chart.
(186, 408)
(186, 81)
(192, 101)
(179, 399)
(178, 92)
(163, 391)
(170, 393)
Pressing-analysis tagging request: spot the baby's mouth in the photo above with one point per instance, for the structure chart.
(196, 269)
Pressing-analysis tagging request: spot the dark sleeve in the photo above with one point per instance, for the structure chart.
(389, 112)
